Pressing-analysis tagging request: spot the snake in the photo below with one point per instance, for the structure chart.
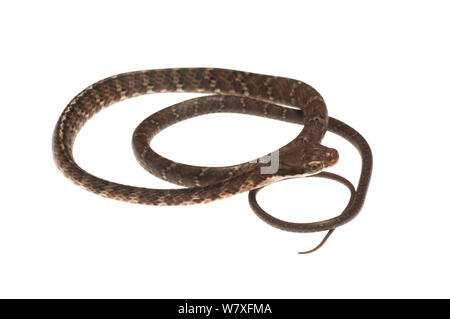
(238, 91)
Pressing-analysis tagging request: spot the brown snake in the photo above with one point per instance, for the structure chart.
(240, 92)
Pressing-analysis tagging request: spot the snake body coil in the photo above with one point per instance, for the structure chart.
(162, 167)
(285, 91)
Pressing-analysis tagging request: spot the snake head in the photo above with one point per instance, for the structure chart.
(307, 160)
(318, 158)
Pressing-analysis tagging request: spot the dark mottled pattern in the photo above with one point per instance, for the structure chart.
(295, 155)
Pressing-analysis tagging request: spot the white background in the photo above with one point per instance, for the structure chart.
(382, 67)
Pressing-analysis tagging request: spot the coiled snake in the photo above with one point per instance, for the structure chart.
(238, 92)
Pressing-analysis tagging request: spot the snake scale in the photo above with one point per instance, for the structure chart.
(237, 92)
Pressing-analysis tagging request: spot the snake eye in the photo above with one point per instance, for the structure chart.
(315, 165)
